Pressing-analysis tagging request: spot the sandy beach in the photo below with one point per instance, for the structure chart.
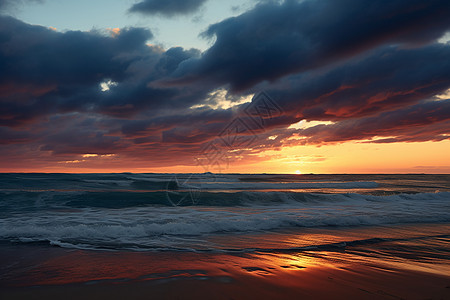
(346, 272)
(233, 277)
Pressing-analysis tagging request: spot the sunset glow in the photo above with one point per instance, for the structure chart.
(149, 98)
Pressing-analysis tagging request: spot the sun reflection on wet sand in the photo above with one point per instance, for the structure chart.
(395, 267)
(90, 267)
(200, 275)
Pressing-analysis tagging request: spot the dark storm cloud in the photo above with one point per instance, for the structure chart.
(81, 141)
(49, 77)
(36, 55)
(428, 121)
(274, 40)
(385, 79)
(78, 133)
(46, 72)
(167, 7)
(370, 67)
(205, 120)
(11, 136)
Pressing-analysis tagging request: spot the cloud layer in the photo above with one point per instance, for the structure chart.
(372, 69)
(274, 40)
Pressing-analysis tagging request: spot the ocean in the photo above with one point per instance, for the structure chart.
(398, 221)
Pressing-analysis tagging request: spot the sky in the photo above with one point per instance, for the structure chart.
(192, 86)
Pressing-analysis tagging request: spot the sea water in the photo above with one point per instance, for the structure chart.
(217, 212)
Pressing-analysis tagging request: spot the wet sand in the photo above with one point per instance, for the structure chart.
(43, 272)
(322, 283)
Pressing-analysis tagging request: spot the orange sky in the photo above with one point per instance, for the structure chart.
(330, 95)
(350, 157)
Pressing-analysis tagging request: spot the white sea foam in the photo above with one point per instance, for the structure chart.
(161, 226)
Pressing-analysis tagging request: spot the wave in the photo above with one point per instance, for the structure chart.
(165, 245)
(43, 200)
(150, 226)
(173, 211)
(280, 185)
